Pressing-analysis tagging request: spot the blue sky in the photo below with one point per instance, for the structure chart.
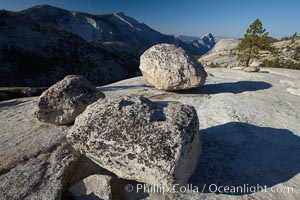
(226, 18)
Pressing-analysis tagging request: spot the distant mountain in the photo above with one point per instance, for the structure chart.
(32, 54)
(186, 38)
(104, 48)
(117, 28)
(202, 45)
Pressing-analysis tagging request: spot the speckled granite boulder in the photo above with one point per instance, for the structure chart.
(65, 100)
(168, 68)
(155, 143)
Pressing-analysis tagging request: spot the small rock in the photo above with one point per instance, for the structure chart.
(93, 187)
(251, 69)
(237, 68)
(65, 100)
(30, 91)
(291, 83)
(256, 63)
(169, 68)
(140, 140)
(294, 91)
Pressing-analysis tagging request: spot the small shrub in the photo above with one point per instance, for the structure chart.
(39, 91)
(296, 55)
(18, 92)
(11, 93)
(213, 65)
(197, 57)
(277, 63)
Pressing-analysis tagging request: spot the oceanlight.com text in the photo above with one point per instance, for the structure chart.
(212, 188)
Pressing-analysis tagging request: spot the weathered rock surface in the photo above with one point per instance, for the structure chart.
(35, 161)
(249, 134)
(93, 187)
(294, 91)
(140, 140)
(251, 69)
(294, 85)
(65, 100)
(168, 68)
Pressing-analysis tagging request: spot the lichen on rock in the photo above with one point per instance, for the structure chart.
(137, 139)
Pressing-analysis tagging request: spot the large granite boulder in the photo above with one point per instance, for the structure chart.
(169, 68)
(65, 100)
(155, 143)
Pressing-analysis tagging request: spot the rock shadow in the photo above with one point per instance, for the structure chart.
(238, 153)
(235, 87)
(11, 103)
(125, 87)
(119, 187)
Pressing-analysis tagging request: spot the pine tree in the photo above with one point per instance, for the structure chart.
(293, 38)
(255, 39)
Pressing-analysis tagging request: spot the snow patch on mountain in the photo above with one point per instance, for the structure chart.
(127, 22)
(92, 22)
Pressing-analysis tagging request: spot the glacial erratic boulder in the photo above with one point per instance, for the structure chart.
(170, 68)
(65, 100)
(137, 139)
